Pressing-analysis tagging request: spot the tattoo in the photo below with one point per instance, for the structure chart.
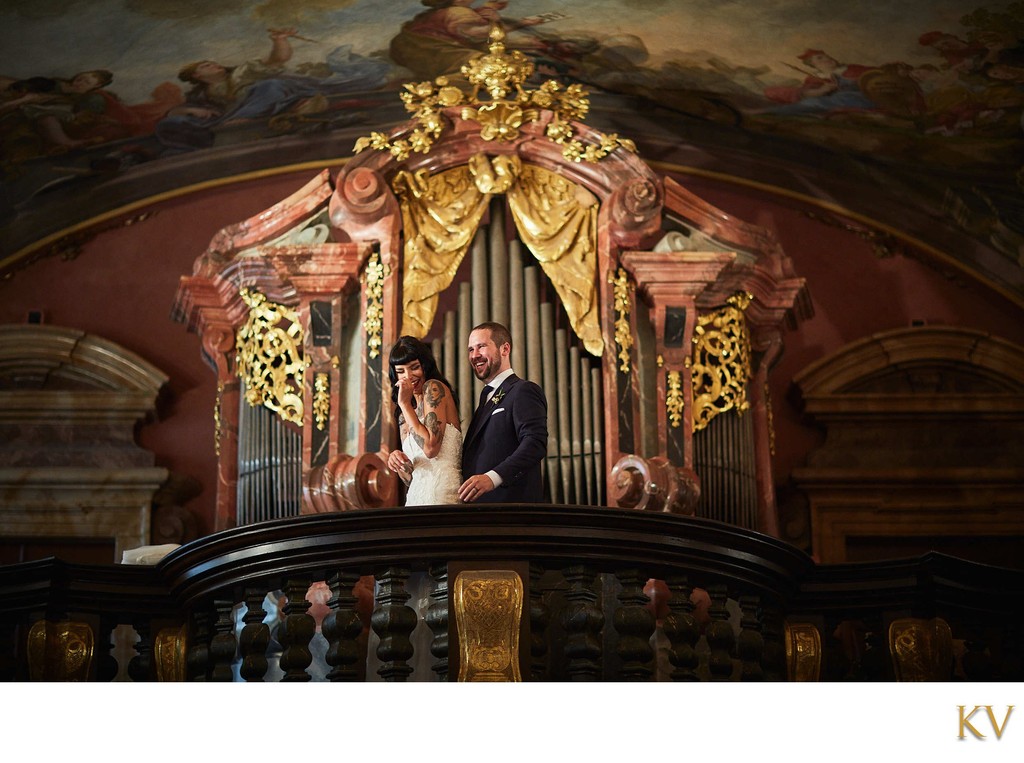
(432, 424)
(433, 393)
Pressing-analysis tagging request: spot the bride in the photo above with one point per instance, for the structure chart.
(428, 417)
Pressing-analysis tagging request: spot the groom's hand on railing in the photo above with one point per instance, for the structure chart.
(475, 487)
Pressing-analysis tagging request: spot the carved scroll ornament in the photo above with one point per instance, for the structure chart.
(653, 484)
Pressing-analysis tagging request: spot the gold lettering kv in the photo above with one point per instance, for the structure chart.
(966, 723)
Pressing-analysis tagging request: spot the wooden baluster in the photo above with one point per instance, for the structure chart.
(841, 650)
(540, 616)
(774, 659)
(341, 627)
(296, 630)
(223, 644)
(682, 630)
(1010, 666)
(140, 668)
(254, 638)
(9, 668)
(635, 625)
(198, 660)
(876, 662)
(436, 618)
(106, 663)
(719, 634)
(582, 620)
(977, 661)
(750, 644)
(393, 621)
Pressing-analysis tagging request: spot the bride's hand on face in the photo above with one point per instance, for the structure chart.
(405, 396)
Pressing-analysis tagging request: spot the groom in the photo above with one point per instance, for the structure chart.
(507, 439)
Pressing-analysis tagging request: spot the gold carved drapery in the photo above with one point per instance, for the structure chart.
(440, 214)
(556, 219)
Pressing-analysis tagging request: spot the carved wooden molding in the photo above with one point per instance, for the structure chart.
(69, 464)
(924, 445)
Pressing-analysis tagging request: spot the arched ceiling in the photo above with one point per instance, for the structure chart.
(904, 119)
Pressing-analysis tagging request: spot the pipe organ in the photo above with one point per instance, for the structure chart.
(503, 287)
(269, 466)
(650, 318)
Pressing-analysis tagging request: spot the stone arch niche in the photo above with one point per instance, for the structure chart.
(71, 472)
(923, 450)
(365, 256)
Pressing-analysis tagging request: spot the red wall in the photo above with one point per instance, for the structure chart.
(122, 288)
(855, 293)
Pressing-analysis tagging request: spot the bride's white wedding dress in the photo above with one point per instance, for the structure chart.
(435, 480)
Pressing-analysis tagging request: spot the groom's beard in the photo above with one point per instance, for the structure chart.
(487, 371)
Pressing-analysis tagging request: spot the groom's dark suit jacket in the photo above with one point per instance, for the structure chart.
(509, 434)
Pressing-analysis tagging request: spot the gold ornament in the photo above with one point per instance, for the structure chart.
(502, 75)
(269, 357)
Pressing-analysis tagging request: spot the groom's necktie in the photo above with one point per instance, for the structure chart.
(478, 414)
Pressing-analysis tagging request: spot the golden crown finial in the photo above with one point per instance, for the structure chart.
(501, 74)
(498, 72)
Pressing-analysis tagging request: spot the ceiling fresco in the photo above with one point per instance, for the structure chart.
(909, 113)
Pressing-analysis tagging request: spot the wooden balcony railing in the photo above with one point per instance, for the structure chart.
(542, 593)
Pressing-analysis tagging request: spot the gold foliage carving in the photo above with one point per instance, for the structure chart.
(488, 610)
(721, 362)
(674, 399)
(321, 400)
(623, 305)
(60, 651)
(217, 420)
(502, 75)
(771, 419)
(269, 357)
(373, 286)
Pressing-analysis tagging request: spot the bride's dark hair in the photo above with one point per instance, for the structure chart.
(406, 350)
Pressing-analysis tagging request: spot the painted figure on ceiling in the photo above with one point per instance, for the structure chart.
(222, 96)
(957, 53)
(951, 104)
(452, 32)
(832, 86)
(47, 115)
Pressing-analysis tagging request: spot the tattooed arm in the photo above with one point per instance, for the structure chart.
(429, 431)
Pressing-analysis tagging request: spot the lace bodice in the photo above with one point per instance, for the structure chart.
(435, 480)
